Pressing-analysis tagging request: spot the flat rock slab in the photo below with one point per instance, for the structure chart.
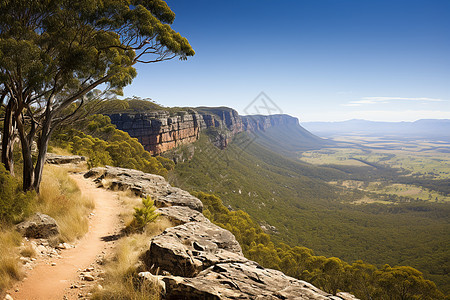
(39, 226)
(242, 281)
(144, 184)
(187, 249)
(180, 215)
(52, 158)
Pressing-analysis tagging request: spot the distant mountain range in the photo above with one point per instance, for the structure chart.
(437, 129)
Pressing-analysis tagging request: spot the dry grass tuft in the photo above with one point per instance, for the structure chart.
(129, 202)
(27, 250)
(10, 269)
(61, 199)
(121, 281)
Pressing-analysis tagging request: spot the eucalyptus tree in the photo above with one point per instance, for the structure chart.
(54, 52)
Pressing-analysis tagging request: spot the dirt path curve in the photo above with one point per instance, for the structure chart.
(48, 282)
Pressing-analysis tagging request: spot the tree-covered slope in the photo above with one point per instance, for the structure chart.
(289, 139)
(306, 211)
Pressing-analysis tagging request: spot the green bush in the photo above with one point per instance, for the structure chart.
(14, 204)
(143, 215)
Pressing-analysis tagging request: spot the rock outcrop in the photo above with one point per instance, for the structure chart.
(242, 281)
(39, 226)
(52, 158)
(179, 215)
(200, 260)
(159, 131)
(188, 249)
(144, 184)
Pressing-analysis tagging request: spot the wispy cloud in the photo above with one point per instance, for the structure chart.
(376, 115)
(380, 100)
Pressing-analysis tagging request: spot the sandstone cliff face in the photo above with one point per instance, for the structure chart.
(200, 260)
(159, 132)
(259, 122)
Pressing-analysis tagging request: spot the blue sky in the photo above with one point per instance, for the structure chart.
(319, 60)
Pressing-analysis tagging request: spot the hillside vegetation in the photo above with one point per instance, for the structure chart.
(305, 210)
(331, 274)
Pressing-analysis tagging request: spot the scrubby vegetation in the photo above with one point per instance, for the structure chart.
(136, 105)
(331, 274)
(14, 204)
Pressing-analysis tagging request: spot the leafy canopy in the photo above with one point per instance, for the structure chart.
(54, 52)
(57, 46)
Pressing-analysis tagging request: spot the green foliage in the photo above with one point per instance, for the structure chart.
(136, 105)
(405, 283)
(14, 204)
(98, 139)
(332, 274)
(143, 215)
(168, 164)
(53, 53)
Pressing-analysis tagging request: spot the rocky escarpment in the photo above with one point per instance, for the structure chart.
(159, 131)
(198, 259)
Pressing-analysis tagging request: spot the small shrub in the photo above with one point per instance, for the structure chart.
(143, 215)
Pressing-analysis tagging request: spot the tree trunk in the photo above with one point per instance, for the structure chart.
(28, 168)
(42, 152)
(8, 140)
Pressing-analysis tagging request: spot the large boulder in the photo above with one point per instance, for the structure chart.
(144, 184)
(187, 249)
(38, 226)
(242, 281)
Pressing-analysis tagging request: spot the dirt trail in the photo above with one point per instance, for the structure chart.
(48, 282)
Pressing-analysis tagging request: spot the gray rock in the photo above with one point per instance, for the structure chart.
(51, 158)
(88, 277)
(144, 184)
(179, 215)
(241, 281)
(187, 249)
(179, 197)
(38, 226)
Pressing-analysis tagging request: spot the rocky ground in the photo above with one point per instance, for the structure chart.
(197, 259)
